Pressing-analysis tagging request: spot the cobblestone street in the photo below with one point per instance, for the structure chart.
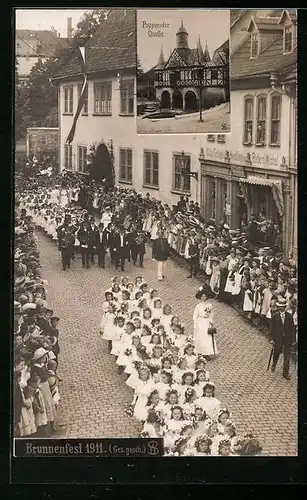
(93, 395)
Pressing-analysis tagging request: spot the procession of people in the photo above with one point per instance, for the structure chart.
(166, 366)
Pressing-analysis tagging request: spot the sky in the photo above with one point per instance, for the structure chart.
(210, 25)
(44, 19)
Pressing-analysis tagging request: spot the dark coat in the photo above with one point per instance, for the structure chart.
(101, 241)
(18, 402)
(160, 249)
(94, 236)
(282, 334)
(84, 237)
(115, 244)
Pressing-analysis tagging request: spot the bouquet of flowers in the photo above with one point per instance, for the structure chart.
(128, 352)
(128, 410)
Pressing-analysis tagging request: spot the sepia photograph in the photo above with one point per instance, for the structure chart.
(183, 71)
(155, 280)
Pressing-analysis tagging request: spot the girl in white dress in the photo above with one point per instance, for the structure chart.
(174, 426)
(208, 402)
(64, 197)
(204, 342)
(202, 377)
(164, 384)
(166, 317)
(188, 405)
(202, 446)
(153, 427)
(118, 331)
(144, 387)
(190, 356)
(153, 295)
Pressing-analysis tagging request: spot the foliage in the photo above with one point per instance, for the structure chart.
(139, 69)
(88, 25)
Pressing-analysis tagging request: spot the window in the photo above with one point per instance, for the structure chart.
(275, 120)
(248, 120)
(103, 98)
(182, 181)
(125, 165)
(221, 138)
(254, 44)
(288, 39)
(151, 168)
(68, 100)
(68, 157)
(85, 105)
(82, 156)
(211, 138)
(127, 97)
(261, 120)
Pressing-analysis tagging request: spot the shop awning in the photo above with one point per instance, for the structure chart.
(274, 184)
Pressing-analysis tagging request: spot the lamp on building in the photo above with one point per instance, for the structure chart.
(185, 171)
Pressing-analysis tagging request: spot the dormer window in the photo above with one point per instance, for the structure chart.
(254, 44)
(288, 39)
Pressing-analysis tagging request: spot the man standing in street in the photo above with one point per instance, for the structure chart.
(160, 253)
(66, 241)
(84, 236)
(283, 334)
(120, 242)
(94, 238)
(101, 245)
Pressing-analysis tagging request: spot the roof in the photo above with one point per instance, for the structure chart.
(235, 15)
(112, 47)
(270, 59)
(265, 23)
(42, 42)
(182, 29)
(291, 12)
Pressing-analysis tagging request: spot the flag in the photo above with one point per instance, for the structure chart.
(81, 98)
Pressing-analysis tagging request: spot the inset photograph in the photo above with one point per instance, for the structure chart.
(183, 71)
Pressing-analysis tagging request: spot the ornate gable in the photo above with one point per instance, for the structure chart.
(175, 60)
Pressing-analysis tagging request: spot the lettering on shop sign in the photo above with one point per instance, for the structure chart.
(238, 157)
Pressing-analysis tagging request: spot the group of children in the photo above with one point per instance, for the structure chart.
(174, 396)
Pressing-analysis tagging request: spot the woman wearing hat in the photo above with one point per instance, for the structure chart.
(204, 340)
(39, 367)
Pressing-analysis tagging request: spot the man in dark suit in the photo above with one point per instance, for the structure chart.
(120, 243)
(66, 241)
(84, 236)
(283, 334)
(94, 239)
(137, 245)
(101, 245)
(160, 253)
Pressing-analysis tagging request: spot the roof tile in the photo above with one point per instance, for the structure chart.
(271, 59)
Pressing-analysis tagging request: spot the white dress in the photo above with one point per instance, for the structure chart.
(211, 406)
(143, 390)
(64, 200)
(204, 342)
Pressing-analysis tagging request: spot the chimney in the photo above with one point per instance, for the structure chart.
(69, 28)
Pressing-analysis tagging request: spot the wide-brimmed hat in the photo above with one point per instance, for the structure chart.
(56, 318)
(281, 302)
(39, 353)
(28, 306)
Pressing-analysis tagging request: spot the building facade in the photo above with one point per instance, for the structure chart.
(251, 170)
(32, 46)
(178, 79)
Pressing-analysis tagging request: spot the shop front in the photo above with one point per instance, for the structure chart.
(231, 193)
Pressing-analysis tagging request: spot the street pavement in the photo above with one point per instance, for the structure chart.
(93, 395)
(215, 120)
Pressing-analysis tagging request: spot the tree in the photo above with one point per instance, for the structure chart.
(88, 25)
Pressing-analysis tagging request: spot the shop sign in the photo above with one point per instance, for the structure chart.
(237, 171)
(250, 158)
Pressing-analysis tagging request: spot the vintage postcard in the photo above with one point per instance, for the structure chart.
(183, 71)
(155, 276)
